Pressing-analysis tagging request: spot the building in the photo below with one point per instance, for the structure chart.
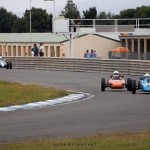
(20, 44)
(138, 44)
(102, 43)
(57, 45)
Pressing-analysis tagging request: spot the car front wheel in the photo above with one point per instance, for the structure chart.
(103, 84)
(134, 87)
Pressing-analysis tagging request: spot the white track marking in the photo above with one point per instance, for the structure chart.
(59, 101)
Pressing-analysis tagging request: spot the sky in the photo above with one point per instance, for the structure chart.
(18, 7)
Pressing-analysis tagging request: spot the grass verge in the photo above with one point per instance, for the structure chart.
(122, 141)
(16, 93)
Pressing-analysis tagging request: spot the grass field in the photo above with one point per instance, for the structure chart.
(122, 141)
(16, 93)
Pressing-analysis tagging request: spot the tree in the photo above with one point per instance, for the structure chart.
(19, 25)
(7, 20)
(139, 12)
(143, 12)
(89, 14)
(128, 13)
(71, 11)
(39, 20)
(103, 15)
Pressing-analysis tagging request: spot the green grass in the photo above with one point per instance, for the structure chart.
(16, 93)
(122, 141)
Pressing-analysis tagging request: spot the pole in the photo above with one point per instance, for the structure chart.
(54, 11)
(71, 45)
(30, 23)
(30, 16)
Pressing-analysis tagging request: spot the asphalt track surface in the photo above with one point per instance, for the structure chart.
(107, 112)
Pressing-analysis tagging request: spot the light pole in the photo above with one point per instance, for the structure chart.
(30, 25)
(54, 15)
(30, 16)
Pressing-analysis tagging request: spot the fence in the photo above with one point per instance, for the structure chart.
(130, 55)
(110, 25)
(130, 67)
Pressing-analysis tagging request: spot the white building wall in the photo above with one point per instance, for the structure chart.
(100, 44)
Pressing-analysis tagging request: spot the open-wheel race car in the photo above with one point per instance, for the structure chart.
(5, 64)
(143, 84)
(116, 81)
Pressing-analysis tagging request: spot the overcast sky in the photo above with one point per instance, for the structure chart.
(18, 7)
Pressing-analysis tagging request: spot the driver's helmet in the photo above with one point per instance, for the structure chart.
(116, 73)
(147, 75)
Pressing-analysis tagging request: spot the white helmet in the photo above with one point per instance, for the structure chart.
(116, 73)
(147, 74)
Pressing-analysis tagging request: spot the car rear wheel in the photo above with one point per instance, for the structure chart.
(129, 84)
(134, 87)
(103, 85)
(7, 67)
(10, 65)
(139, 85)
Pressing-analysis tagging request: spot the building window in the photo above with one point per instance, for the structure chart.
(129, 44)
(135, 45)
(148, 45)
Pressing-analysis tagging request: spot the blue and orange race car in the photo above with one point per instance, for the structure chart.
(143, 84)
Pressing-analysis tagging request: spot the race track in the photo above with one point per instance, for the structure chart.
(107, 112)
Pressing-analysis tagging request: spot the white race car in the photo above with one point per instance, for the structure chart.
(5, 64)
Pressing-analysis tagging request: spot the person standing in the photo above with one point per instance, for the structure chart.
(32, 52)
(91, 55)
(87, 54)
(94, 54)
(41, 49)
(35, 49)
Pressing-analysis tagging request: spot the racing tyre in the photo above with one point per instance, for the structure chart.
(139, 85)
(103, 84)
(134, 87)
(129, 84)
(10, 65)
(7, 67)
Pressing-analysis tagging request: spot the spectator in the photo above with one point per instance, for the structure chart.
(91, 55)
(32, 52)
(41, 50)
(87, 54)
(35, 49)
(94, 54)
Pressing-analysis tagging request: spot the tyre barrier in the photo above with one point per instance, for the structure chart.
(126, 67)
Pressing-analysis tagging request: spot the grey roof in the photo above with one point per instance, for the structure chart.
(112, 36)
(45, 37)
(35, 37)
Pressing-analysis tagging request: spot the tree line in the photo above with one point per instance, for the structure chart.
(42, 21)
